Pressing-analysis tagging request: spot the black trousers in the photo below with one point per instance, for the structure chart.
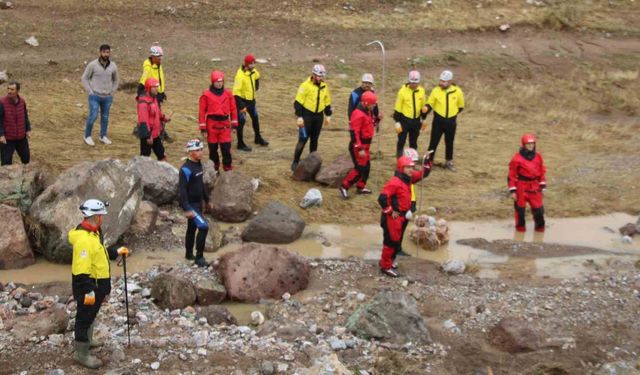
(157, 147)
(440, 126)
(200, 225)
(313, 126)
(225, 149)
(86, 314)
(20, 146)
(252, 110)
(411, 128)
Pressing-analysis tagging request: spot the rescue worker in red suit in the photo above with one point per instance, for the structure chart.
(150, 119)
(362, 126)
(218, 115)
(527, 183)
(395, 200)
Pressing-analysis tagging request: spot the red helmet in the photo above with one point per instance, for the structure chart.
(149, 83)
(217, 76)
(404, 161)
(528, 138)
(249, 59)
(369, 98)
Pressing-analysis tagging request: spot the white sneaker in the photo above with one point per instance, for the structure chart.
(105, 140)
(89, 141)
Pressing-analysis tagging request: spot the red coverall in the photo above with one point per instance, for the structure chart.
(362, 125)
(217, 115)
(527, 179)
(396, 196)
(150, 119)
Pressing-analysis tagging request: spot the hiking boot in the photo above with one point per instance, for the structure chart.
(449, 165)
(105, 140)
(89, 141)
(390, 272)
(83, 357)
(166, 137)
(394, 266)
(261, 141)
(364, 191)
(402, 253)
(294, 166)
(244, 147)
(344, 192)
(189, 256)
(201, 262)
(92, 343)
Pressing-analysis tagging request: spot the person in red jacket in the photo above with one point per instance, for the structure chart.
(218, 115)
(15, 128)
(363, 128)
(527, 183)
(395, 201)
(150, 119)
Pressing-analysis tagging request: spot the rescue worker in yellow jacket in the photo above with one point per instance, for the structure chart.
(153, 68)
(313, 110)
(245, 86)
(91, 277)
(407, 113)
(446, 101)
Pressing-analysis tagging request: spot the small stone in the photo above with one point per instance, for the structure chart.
(25, 302)
(286, 296)
(117, 354)
(360, 297)
(504, 27)
(155, 366)
(289, 357)
(32, 41)
(627, 240)
(202, 352)
(201, 338)
(57, 371)
(56, 339)
(146, 292)
(282, 367)
(257, 318)
(339, 330)
(136, 361)
(337, 344)
(405, 283)
(340, 311)
(455, 267)
(267, 368)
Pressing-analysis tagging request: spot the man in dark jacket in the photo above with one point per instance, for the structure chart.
(192, 196)
(15, 128)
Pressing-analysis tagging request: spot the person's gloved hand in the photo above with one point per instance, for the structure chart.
(424, 109)
(123, 251)
(398, 128)
(327, 120)
(300, 122)
(90, 299)
(408, 215)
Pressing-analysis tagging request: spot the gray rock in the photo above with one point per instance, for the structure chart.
(55, 211)
(210, 292)
(514, 335)
(312, 198)
(25, 302)
(289, 331)
(15, 250)
(232, 197)
(267, 368)
(257, 271)
(144, 222)
(216, 314)
(333, 173)
(57, 371)
(209, 177)
(337, 344)
(390, 316)
(308, 167)
(618, 368)
(201, 338)
(216, 238)
(275, 223)
(455, 267)
(171, 292)
(159, 179)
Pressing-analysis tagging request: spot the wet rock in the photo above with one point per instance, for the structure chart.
(275, 223)
(333, 173)
(232, 197)
(618, 368)
(628, 230)
(258, 271)
(454, 267)
(159, 179)
(312, 198)
(308, 167)
(390, 316)
(210, 292)
(55, 211)
(216, 314)
(514, 335)
(45, 323)
(429, 233)
(15, 250)
(144, 222)
(172, 292)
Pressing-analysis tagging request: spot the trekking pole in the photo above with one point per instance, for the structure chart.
(126, 299)
(381, 89)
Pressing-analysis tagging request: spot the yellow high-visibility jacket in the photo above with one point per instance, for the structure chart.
(314, 98)
(446, 103)
(90, 266)
(245, 84)
(409, 102)
(150, 70)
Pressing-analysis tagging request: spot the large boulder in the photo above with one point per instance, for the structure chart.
(15, 251)
(48, 322)
(215, 238)
(216, 314)
(209, 174)
(258, 271)
(275, 223)
(159, 179)
(514, 335)
(333, 173)
(20, 184)
(308, 167)
(209, 291)
(145, 220)
(172, 292)
(55, 211)
(390, 316)
(232, 196)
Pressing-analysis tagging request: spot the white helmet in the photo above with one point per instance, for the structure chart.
(414, 76)
(318, 70)
(367, 77)
(155, 50)
(411, 153)
(94, 207)
(446, 75)
(194, 145)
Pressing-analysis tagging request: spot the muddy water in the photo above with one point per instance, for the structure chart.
(364, 241)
